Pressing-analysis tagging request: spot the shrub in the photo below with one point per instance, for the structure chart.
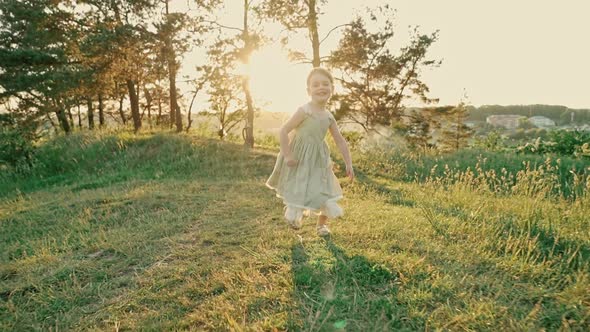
(560, 142)
(16, 142)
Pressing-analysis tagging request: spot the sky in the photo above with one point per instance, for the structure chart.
(493, 52)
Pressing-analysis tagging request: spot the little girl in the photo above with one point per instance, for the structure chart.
(303, 175)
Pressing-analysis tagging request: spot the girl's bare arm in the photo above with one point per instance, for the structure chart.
(291, 124)
(343, 147)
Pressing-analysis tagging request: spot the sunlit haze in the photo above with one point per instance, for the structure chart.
(501, 52)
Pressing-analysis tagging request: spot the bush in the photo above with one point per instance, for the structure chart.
(560, 142)
(491, 142)
(353, 138)
(16, 142)
(266, 140)
(568, 142)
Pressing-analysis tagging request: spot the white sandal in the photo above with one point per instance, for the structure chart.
(323, 230)
(294, 217)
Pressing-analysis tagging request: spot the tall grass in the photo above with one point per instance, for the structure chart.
(99, 158)
(498, 172)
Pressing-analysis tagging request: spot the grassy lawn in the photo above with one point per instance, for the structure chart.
(170, 232)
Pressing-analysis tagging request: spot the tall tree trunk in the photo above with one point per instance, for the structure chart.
(48, 117)
(175, 118)
(63, 120)
(190, 109)
(121, 113)
(121, 100)
(79, 117)
(100, 110)
(90, 113)
(178, 115)
(312, 23)
(248, 132)
(159, 118)
(71, 117)
(189, 121)
(171, 105)
(134, 100)
(148, 98)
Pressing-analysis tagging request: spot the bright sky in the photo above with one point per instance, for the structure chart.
(499, 52)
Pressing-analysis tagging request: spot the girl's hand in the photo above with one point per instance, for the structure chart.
(350, 172)
(292, 162)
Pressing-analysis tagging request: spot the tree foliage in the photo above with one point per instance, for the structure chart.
(295, 16)
(455, 133)
(230, 59)
(228, 103)
(376, 82)
(420, 124)
(59, 54)
(39, 57)
(560, 142)
(17, 133)
(176, 34)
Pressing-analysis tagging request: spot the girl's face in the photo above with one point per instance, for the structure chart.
(320, 88)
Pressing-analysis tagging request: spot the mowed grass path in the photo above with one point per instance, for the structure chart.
(178, 233)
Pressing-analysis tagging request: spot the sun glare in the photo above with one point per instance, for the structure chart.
(276, 84)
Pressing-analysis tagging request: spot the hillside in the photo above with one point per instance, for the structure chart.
(164, 232)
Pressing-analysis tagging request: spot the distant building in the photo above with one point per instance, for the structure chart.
(508, 121)
(541, 121)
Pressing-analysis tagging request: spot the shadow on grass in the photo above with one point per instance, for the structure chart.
(337, 291)
(394, 196)
(513, 236)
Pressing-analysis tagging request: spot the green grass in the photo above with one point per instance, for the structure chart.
(500, 171)
(165, 232)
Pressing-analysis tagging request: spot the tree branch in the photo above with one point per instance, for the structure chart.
(224, 26)
(329, 32)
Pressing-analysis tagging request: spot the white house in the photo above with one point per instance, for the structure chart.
(508, 121)
(541, 121)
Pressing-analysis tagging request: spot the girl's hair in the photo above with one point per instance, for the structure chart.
(322, 71)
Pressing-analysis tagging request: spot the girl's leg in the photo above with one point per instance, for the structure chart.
(322, 227)
(294, 216)
(322, 220)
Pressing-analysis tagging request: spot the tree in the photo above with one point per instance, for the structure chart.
(39, 57)
(176, 32)
(299, 15)
(420, 125)
(251, 41)
(376, 82)
(172, 25)
(18, 131)
(121, 44)
(418, 134)
(455, 132)
(224, 85)
(239, 48)
(225, 103)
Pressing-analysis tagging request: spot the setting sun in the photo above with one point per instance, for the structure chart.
(277, 84)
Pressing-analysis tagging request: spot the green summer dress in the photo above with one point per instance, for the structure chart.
(311, 185)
